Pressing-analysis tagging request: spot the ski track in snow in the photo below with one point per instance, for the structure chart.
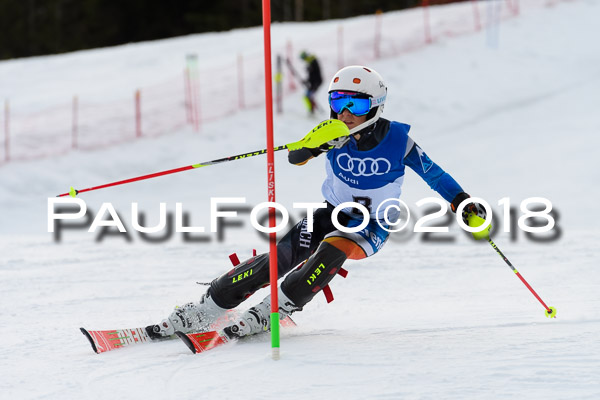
(416, 321)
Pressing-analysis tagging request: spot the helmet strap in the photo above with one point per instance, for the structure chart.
(368, 122)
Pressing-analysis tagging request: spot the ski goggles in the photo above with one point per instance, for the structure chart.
(357, 103)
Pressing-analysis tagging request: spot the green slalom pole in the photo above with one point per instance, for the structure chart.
(322, 133)
(475, 221)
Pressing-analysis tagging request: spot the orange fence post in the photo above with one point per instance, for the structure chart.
(75, 122)
(138, 113)
(426, 26)
(290, 55)
(188, 96)
(340, 46)
(240, 73)
(6, 130)
(376, 46)
(476, 18)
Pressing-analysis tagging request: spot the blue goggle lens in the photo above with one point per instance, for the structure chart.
(357, 104)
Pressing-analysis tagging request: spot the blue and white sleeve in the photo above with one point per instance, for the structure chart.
(437, 179)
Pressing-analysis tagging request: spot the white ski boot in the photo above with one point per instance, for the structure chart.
(191, 317)
(257, 319)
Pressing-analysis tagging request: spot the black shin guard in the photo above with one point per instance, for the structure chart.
(230, 289)
(303, 284)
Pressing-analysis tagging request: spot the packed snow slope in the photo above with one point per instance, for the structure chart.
(423, 319)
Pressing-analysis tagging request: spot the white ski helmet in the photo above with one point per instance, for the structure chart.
(360, 79)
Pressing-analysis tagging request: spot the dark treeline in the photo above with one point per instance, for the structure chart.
(38, 27)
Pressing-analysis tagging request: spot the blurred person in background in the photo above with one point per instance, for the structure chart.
(313, 80)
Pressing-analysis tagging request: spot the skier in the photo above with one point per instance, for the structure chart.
(366, 167)
(313, 80)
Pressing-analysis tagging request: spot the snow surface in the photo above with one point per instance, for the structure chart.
(417, 321)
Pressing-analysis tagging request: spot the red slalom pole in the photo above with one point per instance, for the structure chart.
(266, 9)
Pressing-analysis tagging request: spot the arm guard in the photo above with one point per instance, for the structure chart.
(437, 179)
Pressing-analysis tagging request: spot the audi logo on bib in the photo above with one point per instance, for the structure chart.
(364, 166)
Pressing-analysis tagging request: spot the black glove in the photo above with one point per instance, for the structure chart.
(324, 148)
(475, 208)
(338, 143)
(302, 155)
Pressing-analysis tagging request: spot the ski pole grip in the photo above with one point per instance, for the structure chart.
(475, 221)
(321, 134)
